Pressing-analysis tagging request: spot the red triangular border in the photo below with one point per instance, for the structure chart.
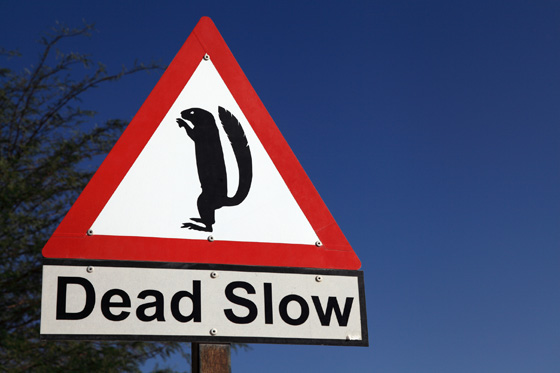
(70, 240)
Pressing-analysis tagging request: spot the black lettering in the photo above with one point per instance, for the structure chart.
(332, 304)
(284, 309)
(196, 313)
(252, 315)
(61, 313)
(267, 303)
(157, 303)
(106, 304)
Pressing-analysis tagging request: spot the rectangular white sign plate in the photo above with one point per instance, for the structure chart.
(116, 300)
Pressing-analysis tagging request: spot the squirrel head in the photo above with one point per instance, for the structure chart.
(198, 117)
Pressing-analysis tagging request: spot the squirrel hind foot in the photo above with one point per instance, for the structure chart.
(196, 227)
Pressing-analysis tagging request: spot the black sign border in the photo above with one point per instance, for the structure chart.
(364, 342)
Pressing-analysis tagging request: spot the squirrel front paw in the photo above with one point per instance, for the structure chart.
(181, 123)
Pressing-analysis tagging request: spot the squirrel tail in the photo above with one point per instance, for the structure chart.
(240, 146)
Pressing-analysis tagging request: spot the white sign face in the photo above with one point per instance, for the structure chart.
(179, 170)
(202, 303)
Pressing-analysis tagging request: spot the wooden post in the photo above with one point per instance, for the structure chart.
(210, 358)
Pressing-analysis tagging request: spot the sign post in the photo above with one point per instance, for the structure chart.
(210, 358)
(202, 226)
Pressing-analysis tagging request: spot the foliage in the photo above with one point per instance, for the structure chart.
(45, 140)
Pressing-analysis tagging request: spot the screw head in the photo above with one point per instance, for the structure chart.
(89, 269)
(206, 57)
(211, 238)
(213, 331)
(214, 275)
(90, 232)
(318, 243)
(319, 278)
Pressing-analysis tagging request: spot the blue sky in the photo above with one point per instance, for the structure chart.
(430, 129)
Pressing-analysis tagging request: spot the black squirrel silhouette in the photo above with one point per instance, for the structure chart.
(211, 165)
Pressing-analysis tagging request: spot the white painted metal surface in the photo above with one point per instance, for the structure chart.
(193, 302)
(160, 190)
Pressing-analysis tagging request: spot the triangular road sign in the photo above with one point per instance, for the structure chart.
(166, 193)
